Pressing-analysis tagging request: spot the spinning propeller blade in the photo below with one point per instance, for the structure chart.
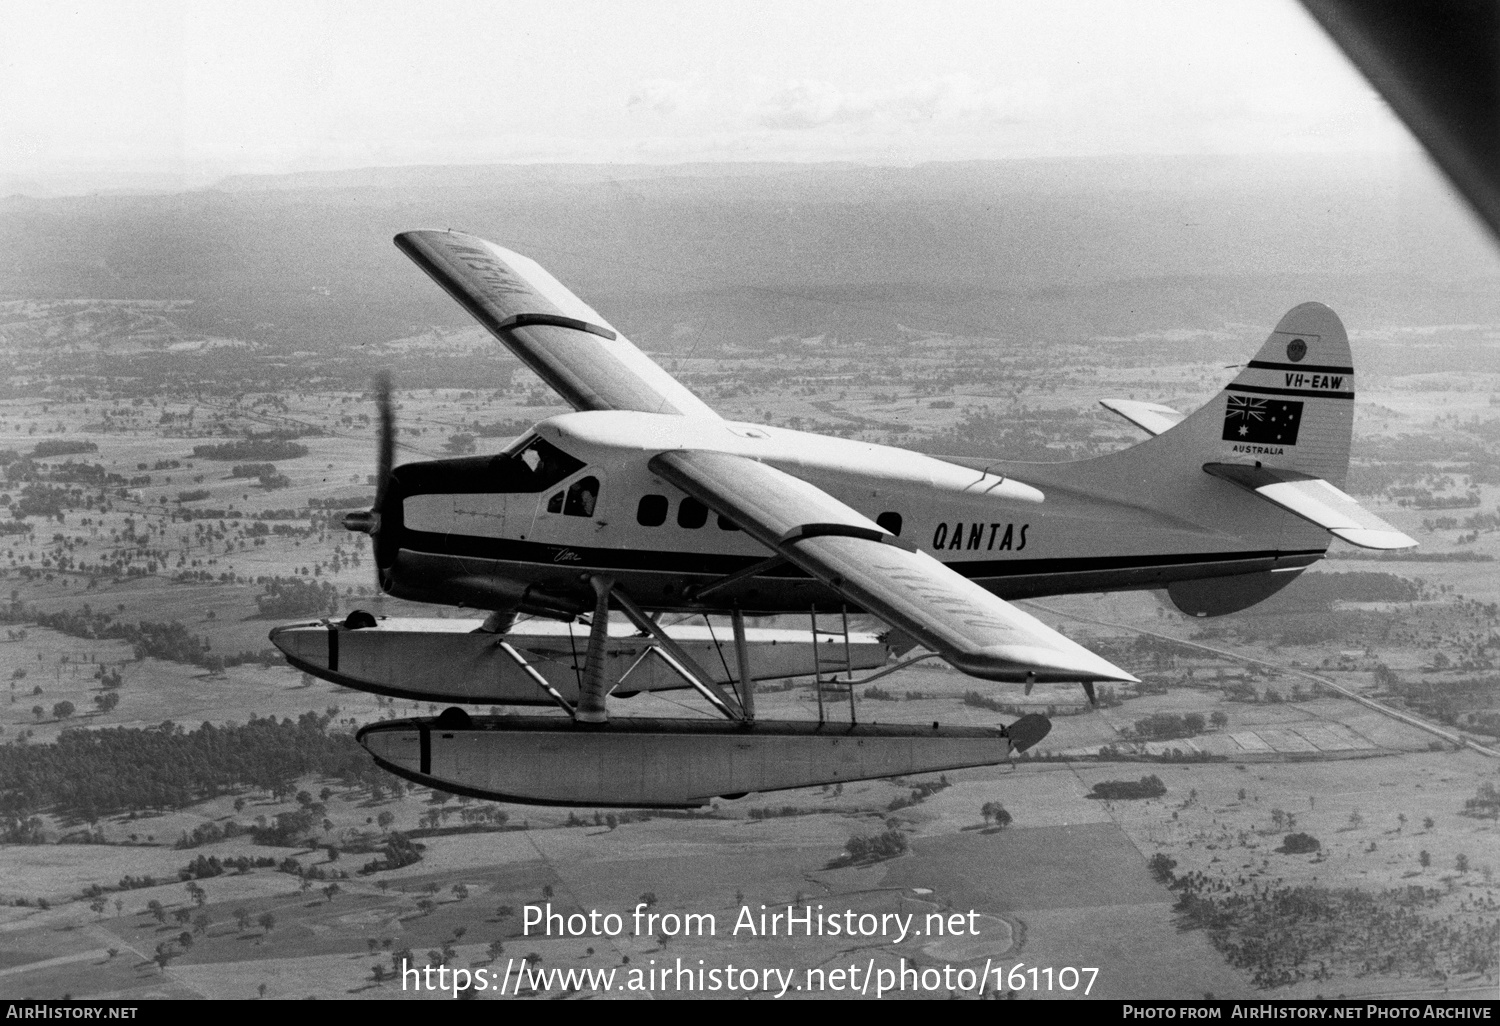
(368, 522)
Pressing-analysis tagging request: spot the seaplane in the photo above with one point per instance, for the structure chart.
(645, 502)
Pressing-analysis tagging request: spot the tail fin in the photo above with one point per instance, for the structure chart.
(1292, 407)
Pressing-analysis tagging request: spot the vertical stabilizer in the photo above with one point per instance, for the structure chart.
(1290, 408)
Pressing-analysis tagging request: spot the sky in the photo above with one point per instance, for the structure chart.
(157, 94)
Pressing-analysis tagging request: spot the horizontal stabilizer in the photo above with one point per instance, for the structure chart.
(1152, 418)
(1314, 499)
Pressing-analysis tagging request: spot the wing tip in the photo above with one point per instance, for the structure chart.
(1034, 664)
(1371, 538)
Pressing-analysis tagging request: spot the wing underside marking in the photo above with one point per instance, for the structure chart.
(974, 630)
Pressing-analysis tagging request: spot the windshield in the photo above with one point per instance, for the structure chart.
(533, 465)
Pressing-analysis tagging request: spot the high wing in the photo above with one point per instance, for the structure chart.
(556, 334)
(591, 365)
(977, 632)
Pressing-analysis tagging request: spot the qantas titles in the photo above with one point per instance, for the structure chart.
(987, 537)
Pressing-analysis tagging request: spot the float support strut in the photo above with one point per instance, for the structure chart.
(531, 672)
(591, 691)
(742, 661)
(675, 656)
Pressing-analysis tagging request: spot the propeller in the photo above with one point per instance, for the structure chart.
(368, 522)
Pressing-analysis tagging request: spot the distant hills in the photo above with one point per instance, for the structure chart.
(687, 256)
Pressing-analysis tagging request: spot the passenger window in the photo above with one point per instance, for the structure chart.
(692, 514)
(652, 511)
(725, 524)
(891, 522)
(582, 497)
(554, 504)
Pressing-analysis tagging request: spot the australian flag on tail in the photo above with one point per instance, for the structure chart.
(1264, 421)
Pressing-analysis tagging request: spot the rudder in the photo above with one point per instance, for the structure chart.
(1290, 408)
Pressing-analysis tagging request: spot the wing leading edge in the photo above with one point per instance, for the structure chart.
(977, 632)
(556, 334)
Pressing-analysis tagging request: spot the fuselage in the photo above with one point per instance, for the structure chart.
(576, 497)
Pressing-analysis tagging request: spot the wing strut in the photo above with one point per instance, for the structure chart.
(729, 581)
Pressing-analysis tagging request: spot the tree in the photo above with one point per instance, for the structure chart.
(1428, 823)
(331, 890)
(267, 921)
(459, 444)
(38, 712)
(1161, 867)
(62, 710)
(1003, 817)
(1425, 858)
(1219, 719)
(1299, 844)
(1461, 863)
(385, 819)
(242, 917)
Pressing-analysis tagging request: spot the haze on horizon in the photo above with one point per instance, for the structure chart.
(166, 94)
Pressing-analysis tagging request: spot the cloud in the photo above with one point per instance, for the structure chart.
(809, 104)
(663, 96)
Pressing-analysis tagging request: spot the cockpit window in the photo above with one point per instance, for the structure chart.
(582, 497)
(533, 465)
